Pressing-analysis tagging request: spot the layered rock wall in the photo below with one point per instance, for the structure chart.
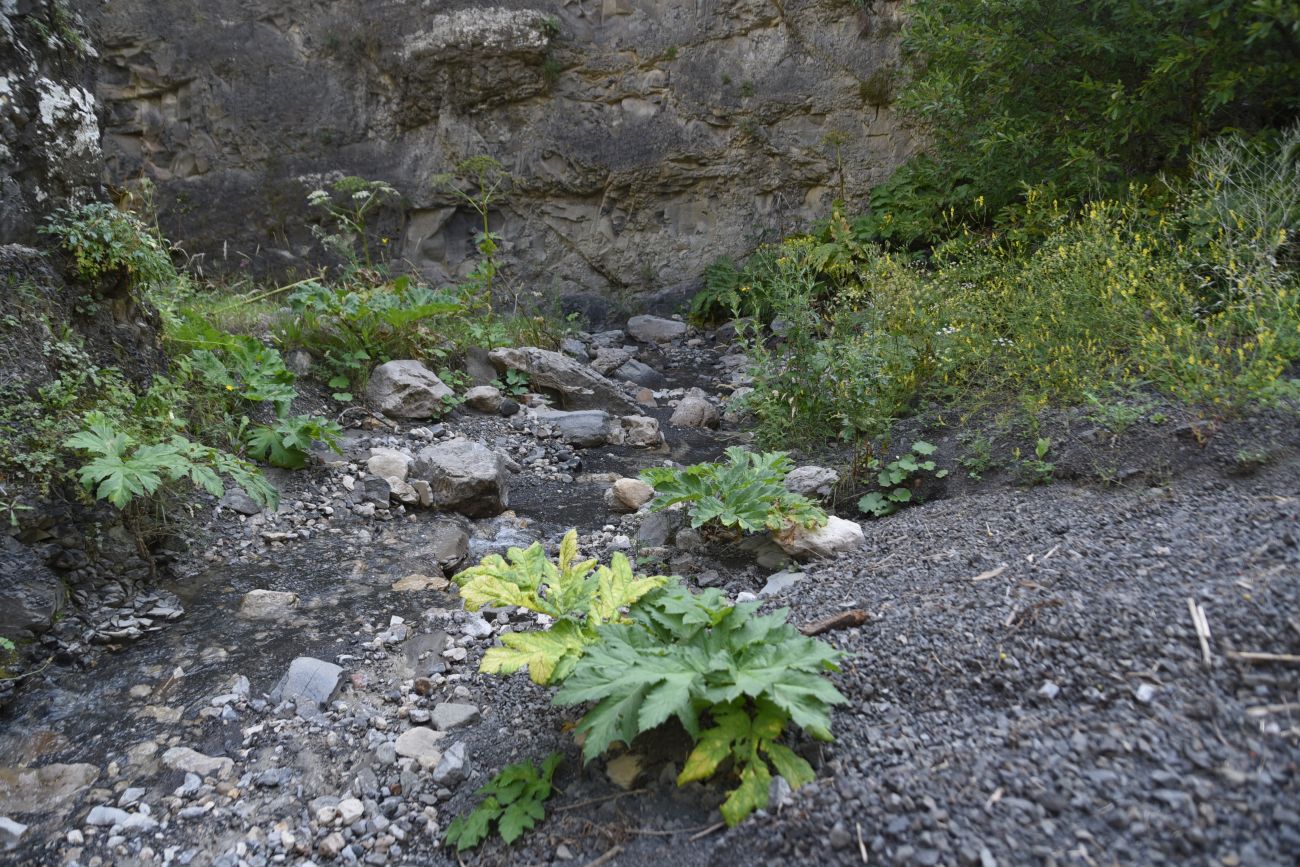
(645, 139)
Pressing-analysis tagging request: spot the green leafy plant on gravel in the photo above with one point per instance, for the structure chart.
(581, 596)
(513, 803)
(733, 679)
(897, 479)
(286, 443)
(743, 493)
(1036, 470)
(121, 470)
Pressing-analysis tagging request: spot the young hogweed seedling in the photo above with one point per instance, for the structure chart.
(513, 803)
(896, 479)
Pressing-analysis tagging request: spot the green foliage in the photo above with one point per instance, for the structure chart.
(287, 442)
(745, 492)
(1115, 90)
(581, 596)
(732, 678)
(480, 182)
(515, 383)
(106, 243)
(897, 480)
(121, 470)
(513, 803)
(1036, 470)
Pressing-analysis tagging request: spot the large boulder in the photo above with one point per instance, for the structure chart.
(484, 398)
(29, 592)
(584, 428)
(576, 385)
(464, 476)
(406, 389)
(837, 537)
(388, 463)
(695, 410)
(655, 329)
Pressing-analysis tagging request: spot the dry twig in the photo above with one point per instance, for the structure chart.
(845, 620)
(607, 857)
(1264, 658)
(1202, 629)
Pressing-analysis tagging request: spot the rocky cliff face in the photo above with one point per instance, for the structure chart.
(49, 135)
(645, 139)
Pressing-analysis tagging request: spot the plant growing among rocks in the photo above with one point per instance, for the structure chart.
(897, 478)
(744, 493)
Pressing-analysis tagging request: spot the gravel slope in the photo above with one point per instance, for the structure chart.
(1059, 712)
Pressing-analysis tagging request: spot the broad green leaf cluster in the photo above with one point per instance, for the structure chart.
(580, 596)
(120, 469)
(641, 651)
(896, 477)
(513, 803)
(744, 492)
(733, 678)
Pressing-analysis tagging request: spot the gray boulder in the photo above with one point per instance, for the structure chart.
(584, 428)
(576, 385)
(484, 398)
(655, 329)
(406, 389)
(642, 431)
(640, 373)
(464, 476)
(609, 359)
(816, 483)
(695, 410)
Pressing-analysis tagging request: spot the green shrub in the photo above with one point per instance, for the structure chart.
(106, 243)
(745, 492)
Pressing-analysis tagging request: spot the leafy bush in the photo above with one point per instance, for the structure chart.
(745, 492)
(121, 470)
(108, 243)
(581, 596)
(513, 803)
(732, 678)
(1115, 90)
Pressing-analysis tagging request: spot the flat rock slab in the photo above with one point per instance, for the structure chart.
(308, 680)
(186, 759)
(267, 604)
(420, 743)
(583, 428)
(578, 386)
(450, 715)
(47, 789)
(655, 329)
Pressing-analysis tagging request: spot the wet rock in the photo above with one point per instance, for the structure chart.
(48, 789)
(816, 483)
(29, 592)
(268, 604)
(465, 477)
(584, 428)
(389, 463)
(308, 681)
(654, 329)
(374, 489)
(631, 494)
(450, 715)
(446, 542)
(484, 398)
(420, 743)
(508, 408)
(454, 766)
(837, 537)
(186, 759)
(576, 385)
(695, 410)
(658, 528)
(406, 389)
(416, 583)
(641, 431)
